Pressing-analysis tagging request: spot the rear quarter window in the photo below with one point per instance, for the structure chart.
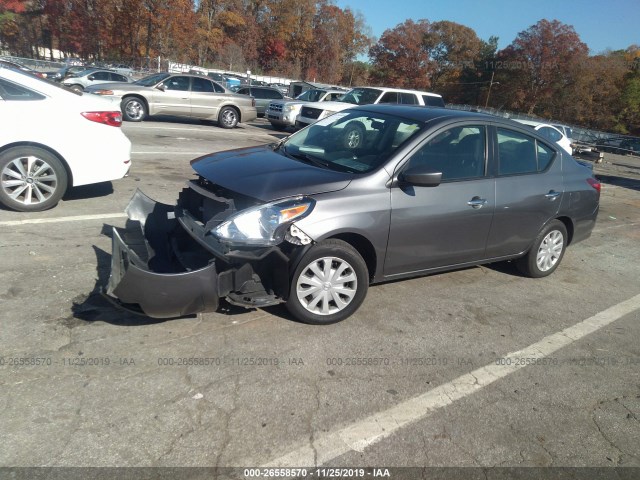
(11, 92)
(432, 101)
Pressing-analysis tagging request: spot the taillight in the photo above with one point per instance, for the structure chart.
(113, 119)
(594, 183)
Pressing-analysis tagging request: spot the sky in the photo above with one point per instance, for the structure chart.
(602, 25)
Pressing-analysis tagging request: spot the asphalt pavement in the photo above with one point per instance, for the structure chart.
(477, 368)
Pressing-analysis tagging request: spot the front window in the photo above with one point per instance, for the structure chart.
(458, 153)
(356, 142)
(361, 96)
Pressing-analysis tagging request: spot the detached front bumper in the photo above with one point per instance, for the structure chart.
(144, 276)
(164, 265)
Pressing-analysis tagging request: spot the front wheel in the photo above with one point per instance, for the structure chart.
(329, 284)
(547, 251)
(31, 179)
(354, 134)
(228, 118)
(76, 88)
(133, 109)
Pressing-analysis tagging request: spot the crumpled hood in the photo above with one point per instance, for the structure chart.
(265, 175)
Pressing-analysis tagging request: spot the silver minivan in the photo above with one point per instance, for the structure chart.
(315, 219)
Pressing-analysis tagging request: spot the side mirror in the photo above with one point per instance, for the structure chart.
(420, 177)
(161, 87)
(91, 77)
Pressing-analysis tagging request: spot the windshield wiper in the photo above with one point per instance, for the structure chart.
(306, 158)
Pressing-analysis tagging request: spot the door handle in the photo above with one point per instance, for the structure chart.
(552, 195)
(477, 202)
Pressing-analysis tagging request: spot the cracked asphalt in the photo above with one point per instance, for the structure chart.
(84, 384)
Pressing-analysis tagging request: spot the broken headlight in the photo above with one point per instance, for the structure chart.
(263, 225)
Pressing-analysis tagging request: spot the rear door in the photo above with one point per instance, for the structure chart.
(529, 190)
(448, 224)
(205, 98)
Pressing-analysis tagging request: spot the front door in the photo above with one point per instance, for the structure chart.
(448, 224)
(175, 99)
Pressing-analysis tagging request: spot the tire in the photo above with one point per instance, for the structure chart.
(31, 179)
(353, 136)
(547, 251)
(335, 298)
(76, 88)
(228, 117)
(134, 109)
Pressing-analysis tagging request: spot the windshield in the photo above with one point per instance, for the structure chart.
(311, 95)
(151, 80)
(361, 96)
(351, 141)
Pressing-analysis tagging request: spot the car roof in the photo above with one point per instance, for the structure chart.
(403, 90)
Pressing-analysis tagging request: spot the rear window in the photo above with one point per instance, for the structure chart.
(433, 101)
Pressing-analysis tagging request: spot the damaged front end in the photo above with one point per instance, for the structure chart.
(174, 261)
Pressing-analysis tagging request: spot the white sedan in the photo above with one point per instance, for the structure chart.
(52, 139)
(550, 132)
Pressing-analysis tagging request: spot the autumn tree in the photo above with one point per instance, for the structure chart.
(541, 61)
(339, 36)
(400, 58)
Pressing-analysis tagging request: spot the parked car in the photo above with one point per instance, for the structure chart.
(262, 95)
(550, 132)
(182, 95)
(86, 78)
(282, 113)
(64, 72)
(282, 87)
(55, 139)
(123, 69)
(566, 130)
(311, 222)
(23, 68)
(312, 112)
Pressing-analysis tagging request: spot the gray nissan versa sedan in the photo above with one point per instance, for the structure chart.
(313, 220)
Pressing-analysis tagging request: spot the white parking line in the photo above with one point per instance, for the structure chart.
(223, 132)
(78, 218)
(169, 152)
(362, 434)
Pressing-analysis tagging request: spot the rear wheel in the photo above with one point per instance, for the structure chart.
(228, 117)
(547, 251)
(134, 109)
(329, 284)
(31, 179)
